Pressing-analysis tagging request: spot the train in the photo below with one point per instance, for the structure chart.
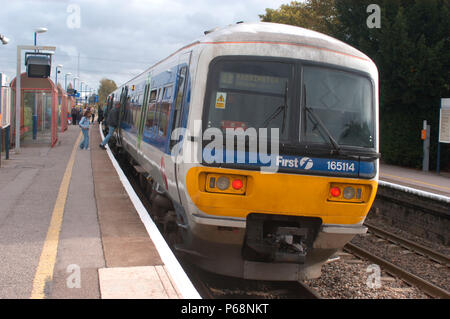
(257, 146)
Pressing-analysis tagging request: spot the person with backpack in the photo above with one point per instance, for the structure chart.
(113, 122)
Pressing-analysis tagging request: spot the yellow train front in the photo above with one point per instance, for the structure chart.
(260, 144)
(278, 216)
(279, 227)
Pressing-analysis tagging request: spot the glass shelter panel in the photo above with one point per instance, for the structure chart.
(37, 112)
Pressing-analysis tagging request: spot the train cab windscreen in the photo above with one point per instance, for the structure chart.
(338, 106)
(251, 95)
(324, 106)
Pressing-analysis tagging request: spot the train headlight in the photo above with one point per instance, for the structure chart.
(223, 183)
(226, 183)
(349, 192)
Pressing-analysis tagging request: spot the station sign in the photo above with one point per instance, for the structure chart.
(38, 64)
(72, 92)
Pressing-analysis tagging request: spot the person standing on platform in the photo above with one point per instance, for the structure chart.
(79, 114)
(113, 122)
(84, 124)
(74, 115)
(100, 115)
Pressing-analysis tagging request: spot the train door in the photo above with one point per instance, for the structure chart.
(123, 101)
(143, 113)
(177, 121)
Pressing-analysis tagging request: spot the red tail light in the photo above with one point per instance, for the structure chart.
(335, 191)
(237, 184)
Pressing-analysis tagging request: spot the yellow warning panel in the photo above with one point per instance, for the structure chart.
(221, 100)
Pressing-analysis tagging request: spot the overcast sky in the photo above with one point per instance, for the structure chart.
(116, 39)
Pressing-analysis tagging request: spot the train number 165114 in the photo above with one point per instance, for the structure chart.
(341, 166)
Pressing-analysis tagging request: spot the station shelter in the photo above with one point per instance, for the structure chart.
(39, 110)
(5, 110)
(62, 108)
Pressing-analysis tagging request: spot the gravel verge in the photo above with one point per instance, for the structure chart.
(353, 278)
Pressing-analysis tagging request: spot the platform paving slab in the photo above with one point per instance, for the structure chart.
(147, 282)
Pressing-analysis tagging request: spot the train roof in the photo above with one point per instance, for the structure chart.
(271, 33)
(267, 32)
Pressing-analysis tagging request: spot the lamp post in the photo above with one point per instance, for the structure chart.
(74, 87)
(56, 75)
(74, 79)
(65, 80)
(38, 30)
(81, 92)
(88, 90)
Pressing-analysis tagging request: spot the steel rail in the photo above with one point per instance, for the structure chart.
(426, 286)
(418, 248)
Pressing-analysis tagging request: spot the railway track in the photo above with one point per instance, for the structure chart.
(398, 267)
(408, 244)
(213, 286)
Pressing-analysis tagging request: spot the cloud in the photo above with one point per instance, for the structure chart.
(116, 39)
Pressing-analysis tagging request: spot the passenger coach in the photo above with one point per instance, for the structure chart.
(310, 100)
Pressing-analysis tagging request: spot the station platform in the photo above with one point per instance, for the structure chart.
(431, 182)
(71, 228)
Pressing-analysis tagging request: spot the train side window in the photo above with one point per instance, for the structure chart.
(159, 95)
(168, 92)
(179, 101)
(151, 115)
(138, 110)
(153, 96)
(163, 120)
(128, 110)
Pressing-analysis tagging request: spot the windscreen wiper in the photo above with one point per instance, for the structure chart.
(281, 108)
(320, 123)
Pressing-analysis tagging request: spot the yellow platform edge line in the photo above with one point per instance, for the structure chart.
(44, 270)
(413, 180)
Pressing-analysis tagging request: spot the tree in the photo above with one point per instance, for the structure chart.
(412, 53)
(106, 87)
(317, 15)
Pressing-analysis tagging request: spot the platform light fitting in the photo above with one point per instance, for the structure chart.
(4, 39)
